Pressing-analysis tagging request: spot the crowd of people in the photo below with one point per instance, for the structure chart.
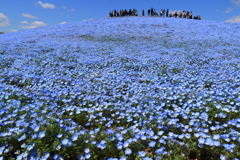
(153, 12)
(131, 12)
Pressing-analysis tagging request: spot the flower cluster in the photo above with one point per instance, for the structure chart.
(138, 87)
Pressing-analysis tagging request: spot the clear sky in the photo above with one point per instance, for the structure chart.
(25, 14)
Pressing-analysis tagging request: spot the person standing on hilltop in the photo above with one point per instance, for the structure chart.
(143, 12)
(167, 13)
(190, 15)
(151, 11)
(148, 11)
(130, 12)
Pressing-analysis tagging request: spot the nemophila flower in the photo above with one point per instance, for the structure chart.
(213, 128)
(59, 136)
(103, 142)
(141, 153)
(128, 151)
(152, 144)
(35, 127)
(111, 138)
(187, 135)
(22, 137)
(119, 146)
(201, 140)
(160, 150)
(216, 137)
(46, 154)
(162, 140)
(143, 137)
(19, 157)
(101, 145)
(30, 147)
(123, 158)
(222, 157)
(126, 144)
(238, 125)
(6, 150)
(58, 147)
(160, 133)
(181, 136)
(56, 157)
(74, 137)
(87, 155)
(1, 149)
(87, 150)
(158, 157)
(147, 158)
(208, 141)
(216, 143)
(41, 134)
(110, 131)
(65, 142)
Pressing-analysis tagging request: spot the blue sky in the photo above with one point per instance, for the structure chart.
(26, 14)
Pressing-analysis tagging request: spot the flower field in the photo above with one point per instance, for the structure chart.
(121, 88)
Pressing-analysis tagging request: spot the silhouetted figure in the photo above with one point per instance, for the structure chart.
(130, 12)
(167, 13)
(190, 15)
(149, 12)
(161, 12)
(143, 12)
(175, 14)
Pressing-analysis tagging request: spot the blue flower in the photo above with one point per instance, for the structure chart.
(80, 157)
(160, 150)
(56, 156)
(119, 146)
(58, 147)
(128, 151)
(123, 158)
(126, 144)
(160, 133)
(65, 142)
(147, 158)
(74, 137)
(209, 141)
(216, 143)
(216, 137)
(41, 134)
(152, 144)
(141, 153)
(111, 138)
(88, 155)
(103, 142)
(187, 135)
(201, 140)
(22, 137)
(46, 154)
(87, 150)
(30, 147)
(110, 131)
(222, 157)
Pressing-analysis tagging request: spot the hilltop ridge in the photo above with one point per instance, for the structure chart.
(131, 26)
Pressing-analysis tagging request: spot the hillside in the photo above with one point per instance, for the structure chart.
(128, 87)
